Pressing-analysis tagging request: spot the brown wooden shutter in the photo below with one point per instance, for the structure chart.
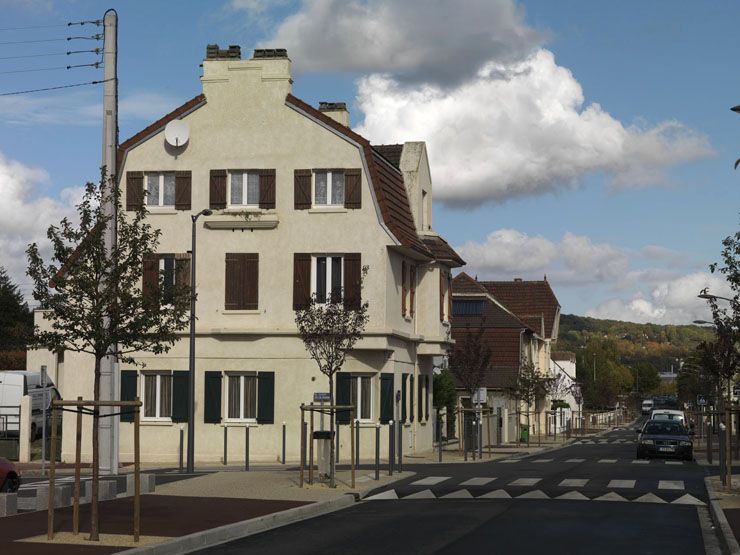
(403, 288)
(182, 269)
(352, 280)
(412, 289)
(267, 189)
(233, 289)
(150, 278)
(183, 181)
(441, 296)
(301, 280)
(302, 189)
(449, 297)
(218, 189)
(353, 188)
(250, 271)
(134, 190)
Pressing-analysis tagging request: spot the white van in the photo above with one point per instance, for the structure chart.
(14, 384)
(647, 406)
(668, 414)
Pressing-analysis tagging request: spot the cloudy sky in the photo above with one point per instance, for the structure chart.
(587, 141)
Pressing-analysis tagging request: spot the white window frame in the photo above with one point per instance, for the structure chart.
(160, 200)
(158, 396)
(358, 391)
(241, 376)
(245, 181)
(329, 189)
(314, 266)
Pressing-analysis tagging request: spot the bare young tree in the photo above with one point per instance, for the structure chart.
(329, 329)
(92, 299)
(470, 359)
(527, 387)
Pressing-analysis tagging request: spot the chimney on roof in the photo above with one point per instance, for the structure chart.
(266, 53)
(213, 52)
(336, 111)
(518, 279)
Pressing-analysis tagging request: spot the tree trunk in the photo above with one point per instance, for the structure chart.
(95, 457)
(332, 467)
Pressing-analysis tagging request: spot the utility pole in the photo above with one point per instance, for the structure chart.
(594, 367)
(109, 375)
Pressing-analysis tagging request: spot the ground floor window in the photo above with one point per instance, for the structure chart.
(157, 395)
(362, 397)
(242, 396)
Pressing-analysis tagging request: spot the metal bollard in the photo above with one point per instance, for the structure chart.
(357, 442)
(226, 443)
(480, 439)
(246, 447)
(400, 448)
(709, 442)
(464, 433)
(283, 458)
(391, 448)
(182, 441)
(439, 435)
(377, 451)
(336, 431)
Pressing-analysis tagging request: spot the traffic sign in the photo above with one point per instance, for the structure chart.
(700, 400)
(480, 396)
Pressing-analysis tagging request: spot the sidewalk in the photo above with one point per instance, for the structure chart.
(217, 506)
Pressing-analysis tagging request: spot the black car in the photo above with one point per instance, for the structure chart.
(664, 438)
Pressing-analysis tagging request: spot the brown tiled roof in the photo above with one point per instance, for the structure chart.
(442, 250)
(191, 104)
(463, 283)
(386, 180)
(527, 298)
(392, 153)
(505, 354)
(534, 322)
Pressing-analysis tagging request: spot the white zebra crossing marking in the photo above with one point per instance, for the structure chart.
(574, 495)
(423, 494)
(611, 496)
(607, 461)
(430, 481)
(688, 500)
(477, 481)
(641, 461)
(670, 484)
(496, 494)
(390, 494)
(459, 494)
(649, 498)
(622, 484)
(575, 460)
(534, 494)
(542, 460)
(525, 482)
(573, 482)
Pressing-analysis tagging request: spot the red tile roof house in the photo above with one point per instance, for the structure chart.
(520, 321)
(327, 204)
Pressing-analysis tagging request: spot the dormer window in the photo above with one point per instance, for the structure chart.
(328, 188)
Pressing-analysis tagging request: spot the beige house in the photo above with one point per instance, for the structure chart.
(300, 204)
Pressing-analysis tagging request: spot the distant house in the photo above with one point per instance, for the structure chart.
(520, 321)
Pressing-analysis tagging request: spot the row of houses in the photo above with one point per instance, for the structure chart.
(300, 203)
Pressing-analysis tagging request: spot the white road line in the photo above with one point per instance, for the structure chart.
(477, 482)
(459, 494)
(510, 461)
(649, 498)
(641, 461)
(573, 482)
(575, 460)
(574, 495)
(670, 484)
(626, 484)
(430, 481)
(525, 481)
(534, 494)
(607, 461)
(611, 496)
(542, 461)
(423, 494)
(674, 462)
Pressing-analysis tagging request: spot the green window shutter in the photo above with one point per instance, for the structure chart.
(128, 393)
(265, 397)
(420, 398)
(344, 396)
(427, 394)
(411, 397)
(404, 377)
(180, 389)
(386, 398)
(212, 398)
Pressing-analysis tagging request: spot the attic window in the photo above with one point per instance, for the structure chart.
(467, 308)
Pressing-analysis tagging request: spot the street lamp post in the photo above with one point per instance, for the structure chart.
(191, 389)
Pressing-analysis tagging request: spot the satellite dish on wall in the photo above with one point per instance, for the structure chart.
(176, 133)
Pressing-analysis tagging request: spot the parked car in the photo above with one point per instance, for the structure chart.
(664, 438)
(647, 406)
(14, 384)
(10, 476)
(669, 414)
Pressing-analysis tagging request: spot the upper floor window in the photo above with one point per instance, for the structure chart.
(244, 188)
(242, 396)
(467, 308)
(328, 188)
(327, 278)
(160, 189)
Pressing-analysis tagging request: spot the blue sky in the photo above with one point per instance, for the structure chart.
(588, 141)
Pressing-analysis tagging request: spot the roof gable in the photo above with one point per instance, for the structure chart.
(528, 299)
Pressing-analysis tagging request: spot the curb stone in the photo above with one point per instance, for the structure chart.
(238, 530)
(726, 535)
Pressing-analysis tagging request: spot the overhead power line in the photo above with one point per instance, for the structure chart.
(98, 36)
(55, 88)
(95, 65)
(97, 22)
(68, 53)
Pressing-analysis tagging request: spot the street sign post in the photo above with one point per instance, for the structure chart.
(700, 400)
(480, 395)
(321, 397)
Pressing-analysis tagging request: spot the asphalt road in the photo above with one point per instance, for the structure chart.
(586, 498)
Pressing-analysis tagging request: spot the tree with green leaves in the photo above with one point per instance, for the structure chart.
(445, 396)
(92, 298)
(329, 328)
(16, 324)
(470, 359)
(646, 377)
(528, 386)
